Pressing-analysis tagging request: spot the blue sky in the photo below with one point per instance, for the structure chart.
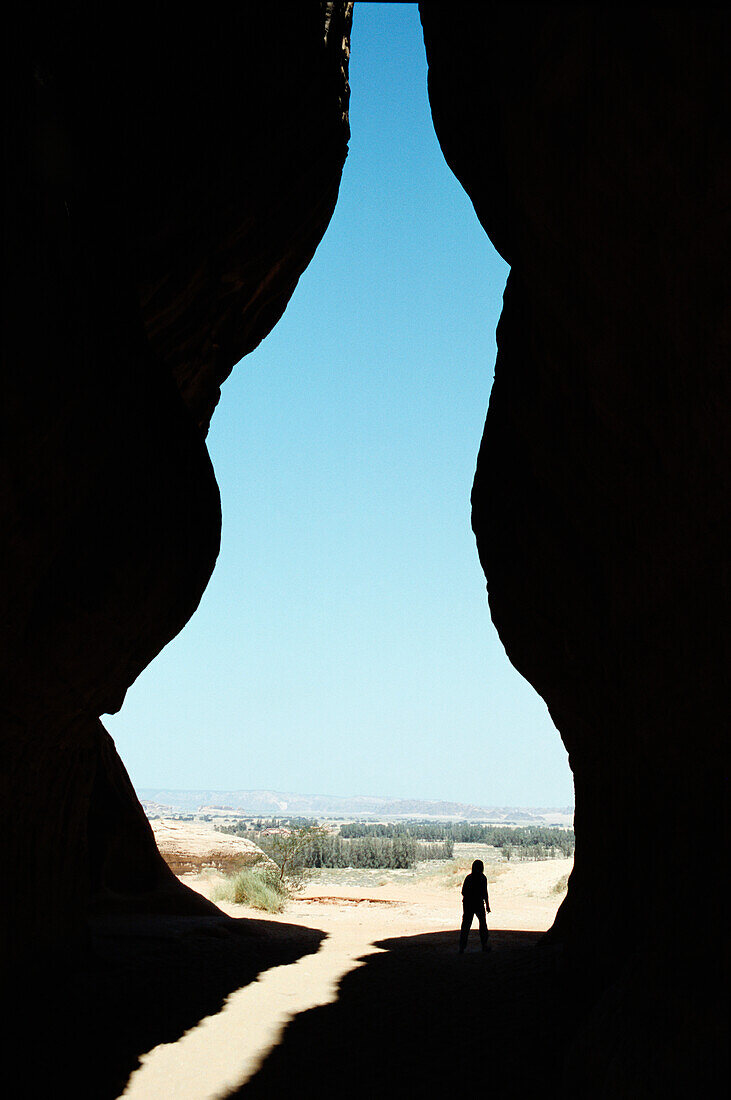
(344, 644)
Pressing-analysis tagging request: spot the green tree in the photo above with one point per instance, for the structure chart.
(289, 849)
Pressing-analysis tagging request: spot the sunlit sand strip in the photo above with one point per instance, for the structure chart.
(225, 1050)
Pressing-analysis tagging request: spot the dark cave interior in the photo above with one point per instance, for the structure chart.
(167, 186)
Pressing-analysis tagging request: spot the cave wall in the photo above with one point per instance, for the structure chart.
(592, 142)
(168, 180)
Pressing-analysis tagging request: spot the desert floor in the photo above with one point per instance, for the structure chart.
(399, 931)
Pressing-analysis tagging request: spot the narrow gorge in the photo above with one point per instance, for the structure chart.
(168, 183)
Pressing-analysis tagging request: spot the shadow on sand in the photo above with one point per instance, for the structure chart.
(79, 1025)
(420, 1020)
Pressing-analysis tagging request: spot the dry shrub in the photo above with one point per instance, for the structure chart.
(257, 887)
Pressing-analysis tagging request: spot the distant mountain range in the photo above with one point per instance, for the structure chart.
(276, 804)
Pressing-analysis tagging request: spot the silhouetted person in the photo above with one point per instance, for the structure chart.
(474, 903)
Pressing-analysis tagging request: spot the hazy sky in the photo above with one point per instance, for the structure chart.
(344, 644)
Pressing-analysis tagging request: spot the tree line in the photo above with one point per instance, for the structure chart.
(372, 851)
(399, 844)
(316, 847)
(524, 842)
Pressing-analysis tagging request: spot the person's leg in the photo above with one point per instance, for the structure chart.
(465, 929)
(484, 934)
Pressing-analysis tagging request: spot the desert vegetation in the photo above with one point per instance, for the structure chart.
(259, 887)
(403, 855)
(399, 852)
(514, 842)
(400, 845)
(307, 847)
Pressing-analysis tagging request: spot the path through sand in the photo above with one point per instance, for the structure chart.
(225, 1050)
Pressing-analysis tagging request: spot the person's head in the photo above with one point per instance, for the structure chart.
(478, 867)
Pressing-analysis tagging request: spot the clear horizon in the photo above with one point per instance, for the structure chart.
(344, 641)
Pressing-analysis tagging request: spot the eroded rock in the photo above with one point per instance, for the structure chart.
(189, 846)
(592, 143)
(168, 182)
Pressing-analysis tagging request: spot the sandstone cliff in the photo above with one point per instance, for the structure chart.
(592, 144)
(168, 182)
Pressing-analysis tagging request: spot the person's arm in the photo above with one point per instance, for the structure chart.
(487, 900)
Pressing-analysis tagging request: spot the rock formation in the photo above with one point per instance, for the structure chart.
(191, 846)
(592, 142)
(168, 181)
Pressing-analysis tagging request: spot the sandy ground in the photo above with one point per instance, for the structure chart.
(356, 910)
